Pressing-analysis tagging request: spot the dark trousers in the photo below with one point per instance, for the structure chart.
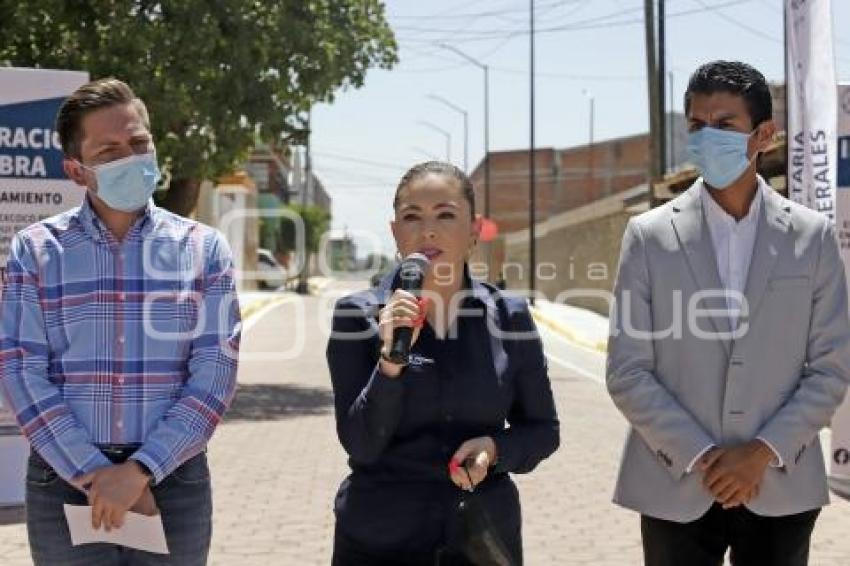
(753, 540)
(348, 552)
(184, 499)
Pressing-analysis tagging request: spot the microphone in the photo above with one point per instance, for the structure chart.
(412, 274)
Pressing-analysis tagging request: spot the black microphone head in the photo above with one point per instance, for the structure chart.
(413, 270)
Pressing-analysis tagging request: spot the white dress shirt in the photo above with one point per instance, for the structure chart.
(733, 242)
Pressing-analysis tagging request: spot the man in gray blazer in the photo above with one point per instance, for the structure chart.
(730, 347)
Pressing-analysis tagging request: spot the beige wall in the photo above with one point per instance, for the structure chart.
(576, 250)
(215, 201)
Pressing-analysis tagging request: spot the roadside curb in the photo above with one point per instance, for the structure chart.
(257, 306)
(568, 333)
(316, 287)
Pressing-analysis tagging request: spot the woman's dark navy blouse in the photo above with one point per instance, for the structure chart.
(488, 377)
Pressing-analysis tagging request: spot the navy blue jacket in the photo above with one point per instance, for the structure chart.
(401, 433)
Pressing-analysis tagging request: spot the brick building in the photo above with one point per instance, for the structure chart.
(569, 178)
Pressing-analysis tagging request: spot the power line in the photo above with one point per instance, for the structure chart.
(733, 21)
(381, 157)
(490, 13)
(755, 31)
(361, 161)
(510, 31)
(599, 22)
(579, 5)
(437, 54)
(365, 176)
(570, 176)
(541, 74)
(570, 76)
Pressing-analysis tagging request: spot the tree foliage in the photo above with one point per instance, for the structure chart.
(315, 222)
(215, 75)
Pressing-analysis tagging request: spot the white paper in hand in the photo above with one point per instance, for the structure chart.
(139, 531)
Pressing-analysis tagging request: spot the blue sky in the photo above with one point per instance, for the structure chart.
(367, 138)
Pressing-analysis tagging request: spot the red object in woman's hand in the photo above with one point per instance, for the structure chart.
(424, 303)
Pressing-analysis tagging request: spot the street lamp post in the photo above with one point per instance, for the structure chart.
(484, 67)
(448, 136)
(465, 114)
(671, 164)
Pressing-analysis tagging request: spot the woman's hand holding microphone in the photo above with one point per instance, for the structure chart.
(403, 310)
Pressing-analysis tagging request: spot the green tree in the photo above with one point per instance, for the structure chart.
(316, 222)
(215, 75)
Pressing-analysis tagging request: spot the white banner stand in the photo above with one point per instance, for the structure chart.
(33, 186)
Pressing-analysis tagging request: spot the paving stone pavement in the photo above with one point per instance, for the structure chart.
(276, 464)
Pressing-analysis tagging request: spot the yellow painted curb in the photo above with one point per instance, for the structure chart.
(317, 288)
(255, 307)
(568, 333)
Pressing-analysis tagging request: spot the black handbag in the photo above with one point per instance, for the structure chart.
(479, 540)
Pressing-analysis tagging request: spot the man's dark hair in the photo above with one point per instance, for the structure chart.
(438, 168)
(735, 78)
(92, 96)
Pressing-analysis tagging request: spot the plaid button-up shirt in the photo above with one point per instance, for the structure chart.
(107, 342)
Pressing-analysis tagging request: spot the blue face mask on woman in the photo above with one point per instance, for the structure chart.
(127, 184)
(720, 155)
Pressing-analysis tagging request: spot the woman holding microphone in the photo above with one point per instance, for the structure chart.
(469, 405)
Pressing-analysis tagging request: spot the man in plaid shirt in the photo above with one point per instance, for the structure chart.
(119, 334)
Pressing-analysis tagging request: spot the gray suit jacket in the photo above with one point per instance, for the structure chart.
(689, 386)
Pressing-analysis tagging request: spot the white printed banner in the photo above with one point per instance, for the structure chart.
(812, 105)
(32, 183)
(840, 450)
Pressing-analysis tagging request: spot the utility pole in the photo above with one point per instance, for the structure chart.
(532, 247)
(308, 165)
(662, 75)
(487, 145)
(653, 171)
(672, 162)
(303, 279)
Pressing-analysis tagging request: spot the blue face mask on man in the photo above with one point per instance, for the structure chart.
(720, 155)
(127, 184)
